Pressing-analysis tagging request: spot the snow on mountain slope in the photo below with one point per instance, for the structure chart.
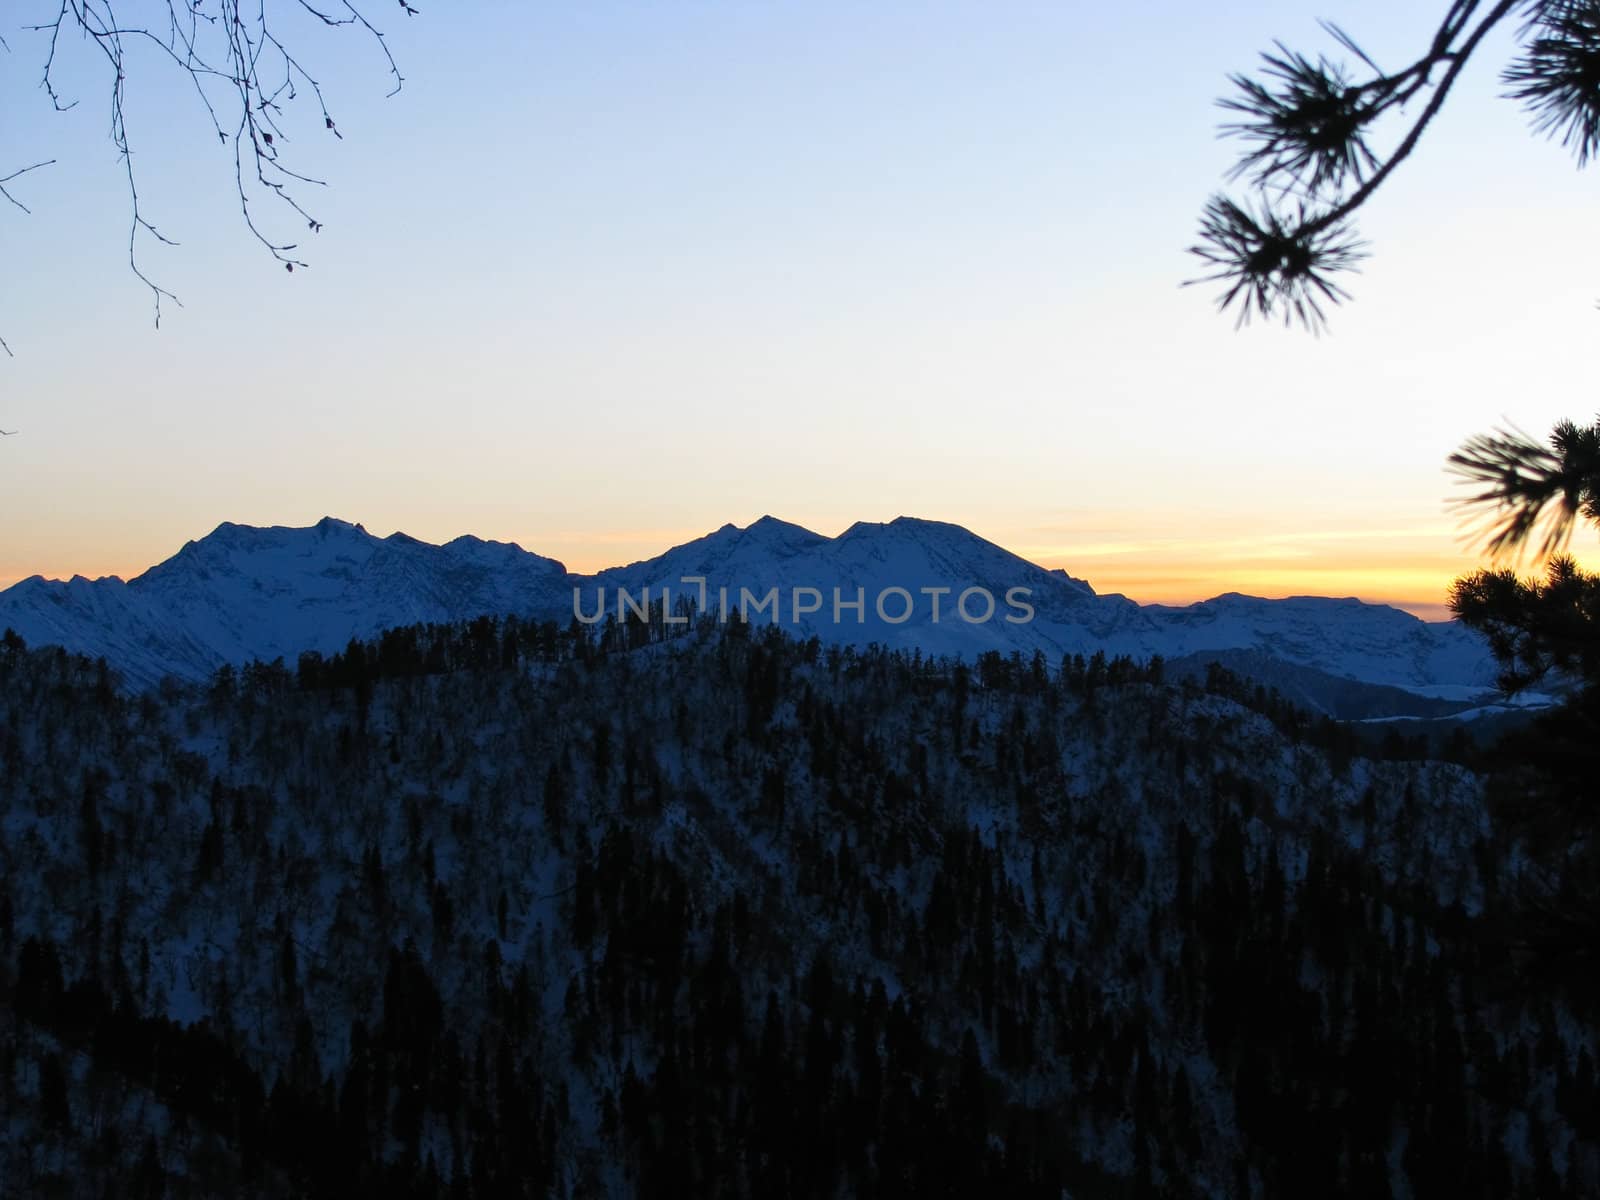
(244, 592)
(1373, 643)
(107, 617)
(1370, 642)
(867, 562)
(759, 549)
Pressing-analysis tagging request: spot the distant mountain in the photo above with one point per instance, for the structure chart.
(867, 562)
(1346, 638)
(1335, 696)
(244, 592)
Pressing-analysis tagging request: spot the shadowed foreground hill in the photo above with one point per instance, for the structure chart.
(493, 913)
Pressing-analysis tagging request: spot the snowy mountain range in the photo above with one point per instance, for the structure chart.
(245, 592)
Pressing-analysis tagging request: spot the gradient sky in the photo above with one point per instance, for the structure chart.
(603, 277)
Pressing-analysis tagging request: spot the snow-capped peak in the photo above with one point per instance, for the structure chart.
(247, 591)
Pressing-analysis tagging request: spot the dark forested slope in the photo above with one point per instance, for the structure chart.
(489, 911)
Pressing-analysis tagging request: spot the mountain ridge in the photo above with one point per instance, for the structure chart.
(245, 591)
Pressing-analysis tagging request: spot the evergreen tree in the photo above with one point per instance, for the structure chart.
(53, 1107)
(1307, 125)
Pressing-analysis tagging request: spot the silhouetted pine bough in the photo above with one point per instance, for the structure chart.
(1313, 157)
(508, 910)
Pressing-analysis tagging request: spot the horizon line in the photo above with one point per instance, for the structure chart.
(1432, 610)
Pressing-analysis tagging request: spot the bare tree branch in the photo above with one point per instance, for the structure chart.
(238, 56)
(5, 179)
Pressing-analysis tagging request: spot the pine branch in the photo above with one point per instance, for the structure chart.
(1309, 123)
(1529, 487)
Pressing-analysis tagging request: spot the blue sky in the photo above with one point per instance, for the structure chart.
(603, 277)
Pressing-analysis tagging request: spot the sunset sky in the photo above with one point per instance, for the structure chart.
(603, 277)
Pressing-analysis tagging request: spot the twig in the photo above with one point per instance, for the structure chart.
(228, 45)
(5, 179)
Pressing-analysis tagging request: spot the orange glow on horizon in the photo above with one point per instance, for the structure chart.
(1415, 578)
(1411, 569)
